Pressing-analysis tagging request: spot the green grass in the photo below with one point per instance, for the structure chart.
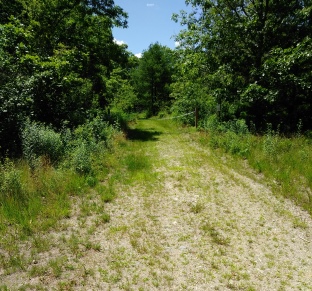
(36, 201)
(36, 197)
(287, 162)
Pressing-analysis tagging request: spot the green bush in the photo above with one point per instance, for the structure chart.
(81, 159)
(39, 140)
(232, 136)
(94, 131)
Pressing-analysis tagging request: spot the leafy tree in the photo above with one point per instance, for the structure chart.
(153, 77)
(56, 57)
(15, 98)
(239, 41)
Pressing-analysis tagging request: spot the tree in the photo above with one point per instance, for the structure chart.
(153, 77)
(240, 40)
(56, 58)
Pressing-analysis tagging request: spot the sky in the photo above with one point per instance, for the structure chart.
(149, 21)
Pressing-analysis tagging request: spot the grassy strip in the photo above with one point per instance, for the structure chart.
(288, 161)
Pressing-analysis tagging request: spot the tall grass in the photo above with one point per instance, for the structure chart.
(35, 191)
(31, 200)
(287, 161)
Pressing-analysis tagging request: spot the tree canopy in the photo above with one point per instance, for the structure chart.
(253, 56)
(153, 77)
(55, 59)
(60, 65)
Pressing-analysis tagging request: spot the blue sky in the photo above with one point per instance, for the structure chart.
(149, 21)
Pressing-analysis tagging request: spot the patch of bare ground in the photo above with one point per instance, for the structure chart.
(187, 223)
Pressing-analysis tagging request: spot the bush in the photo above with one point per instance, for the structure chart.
(94, 132)
(231, 136)
(81, 159)
(39, 140)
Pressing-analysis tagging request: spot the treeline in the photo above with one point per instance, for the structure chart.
(60, 65)
(251, 57)
(56, 58)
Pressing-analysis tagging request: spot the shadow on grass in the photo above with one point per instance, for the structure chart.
(143, 134)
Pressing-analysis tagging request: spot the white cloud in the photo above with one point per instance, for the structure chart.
(119, 42)
(139, 55)
(150, 4)
(176, 43)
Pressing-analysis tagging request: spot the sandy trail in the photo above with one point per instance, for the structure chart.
(188, 222)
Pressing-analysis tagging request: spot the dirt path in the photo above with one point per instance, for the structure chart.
(183, 220)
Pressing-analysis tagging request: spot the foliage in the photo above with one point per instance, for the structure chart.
(35, 191)
(242, 55)
(152, 78)
(55, 61)
(231, 136)
(39, 140)
(10, 183)
(123, 98)
(15, 98)
(81, 159)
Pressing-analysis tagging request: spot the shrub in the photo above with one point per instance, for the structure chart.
(81, 159)
(232, 136)
(212, 124)
(270, 143)
(39, 140)
(95, 131)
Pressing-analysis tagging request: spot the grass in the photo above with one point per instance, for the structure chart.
(135, 170)
(36, 197)
(197, 207)
(287, 162)
(39, 200)
(216, 236)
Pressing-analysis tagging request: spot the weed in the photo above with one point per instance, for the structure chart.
(11, 187)
(270, 143)
(15, 262)
(299, 223)
(197, 207)
(67, 286)
(40, 243)
(37, 271)
(106, 192)
(105, 217)
(91, 181)
(56, 266)
(81, 159)
(216, 236)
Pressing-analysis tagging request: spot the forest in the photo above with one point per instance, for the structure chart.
(236, 60)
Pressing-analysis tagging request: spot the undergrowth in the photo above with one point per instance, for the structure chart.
(35, 191)
(288, 161)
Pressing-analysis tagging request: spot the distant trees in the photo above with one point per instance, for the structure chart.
(253, 57)
(152, 78)
(60, 65)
